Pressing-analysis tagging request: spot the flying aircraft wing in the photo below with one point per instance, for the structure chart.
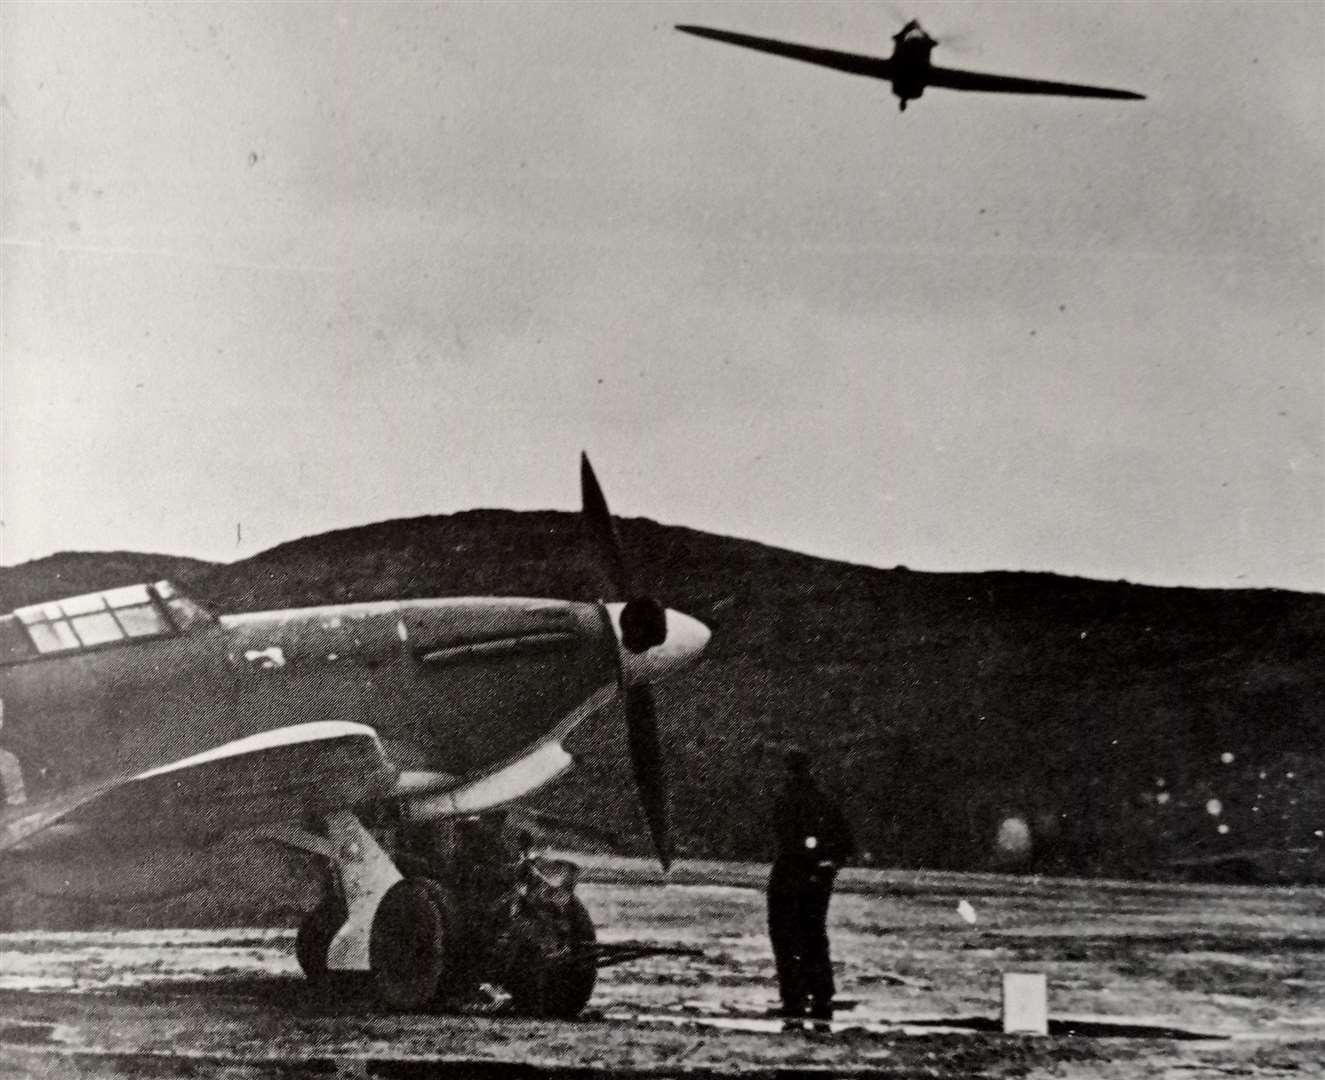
(872, 66)
(953, 79)
(262, 779)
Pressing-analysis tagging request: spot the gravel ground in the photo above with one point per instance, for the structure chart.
(1145, 980)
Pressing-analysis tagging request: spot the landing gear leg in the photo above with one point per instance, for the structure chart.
(404, 930)
(454, 919)
(401, 931)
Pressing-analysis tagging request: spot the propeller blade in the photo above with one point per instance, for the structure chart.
(602, 531)
(643, 622)
(646, 757)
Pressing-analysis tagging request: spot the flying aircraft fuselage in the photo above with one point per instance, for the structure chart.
(911, 60)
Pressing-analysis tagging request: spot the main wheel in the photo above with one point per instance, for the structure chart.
(411, 944)
(556, 969)
(314, 939)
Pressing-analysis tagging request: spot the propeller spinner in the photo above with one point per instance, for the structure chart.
(654, 641)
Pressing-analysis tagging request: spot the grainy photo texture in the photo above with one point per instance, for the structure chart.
(661, 538)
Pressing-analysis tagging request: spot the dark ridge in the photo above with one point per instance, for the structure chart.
(1102, 716)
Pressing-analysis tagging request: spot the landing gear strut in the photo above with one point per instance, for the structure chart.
(466, 912)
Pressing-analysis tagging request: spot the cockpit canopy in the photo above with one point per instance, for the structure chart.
(112, 616)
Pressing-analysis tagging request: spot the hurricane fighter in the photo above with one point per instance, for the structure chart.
(140, 729)
(910, 69)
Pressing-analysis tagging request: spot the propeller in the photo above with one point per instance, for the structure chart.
(643, 625)
(643, 620)
(961, 41)
(647, 763)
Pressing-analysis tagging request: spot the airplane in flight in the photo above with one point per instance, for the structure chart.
(140, 730)
(909, 69)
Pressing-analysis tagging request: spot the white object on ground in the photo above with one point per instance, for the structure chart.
(1025, 1003)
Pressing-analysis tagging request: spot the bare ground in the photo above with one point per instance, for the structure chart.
(1145, 981)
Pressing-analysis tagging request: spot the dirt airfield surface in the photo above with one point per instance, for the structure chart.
(1144, 981)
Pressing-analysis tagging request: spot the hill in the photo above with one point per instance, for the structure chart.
(969, 721)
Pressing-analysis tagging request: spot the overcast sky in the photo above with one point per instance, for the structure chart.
(306, 266)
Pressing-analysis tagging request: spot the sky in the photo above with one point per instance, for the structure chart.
(270, 269)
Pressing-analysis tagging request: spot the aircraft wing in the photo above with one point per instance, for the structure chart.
(872, 66)
(268, 778)
(953, 79)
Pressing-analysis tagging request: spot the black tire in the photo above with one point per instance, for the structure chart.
(556, 977)
(458, 983)
(411, 942)
(314, 939)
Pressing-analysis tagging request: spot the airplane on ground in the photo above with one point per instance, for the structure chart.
(909, 69)
(140, 729)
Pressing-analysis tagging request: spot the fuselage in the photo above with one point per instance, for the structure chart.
(911, 60)
(451, 686)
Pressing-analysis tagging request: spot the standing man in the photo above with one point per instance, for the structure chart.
(813, 841)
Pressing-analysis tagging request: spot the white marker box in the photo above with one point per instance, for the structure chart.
(1025, 1003)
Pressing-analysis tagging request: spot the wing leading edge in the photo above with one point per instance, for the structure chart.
(873, 67)
(274, 775)
(953, 79)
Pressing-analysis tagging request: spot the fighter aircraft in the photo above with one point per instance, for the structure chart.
(909, 69)
(140, 729)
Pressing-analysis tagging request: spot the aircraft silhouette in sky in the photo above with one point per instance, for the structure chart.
(909, 69)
